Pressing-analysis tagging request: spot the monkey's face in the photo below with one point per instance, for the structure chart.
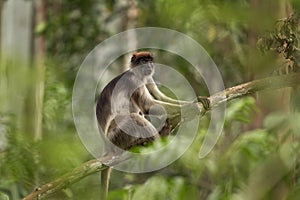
(147, 67)
(143, 60)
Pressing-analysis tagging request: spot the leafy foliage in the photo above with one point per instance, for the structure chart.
(284, 39)
(242, 110)
(57, 101)
(19, 160)
(246, 162)
(72, 30)
(174, 188)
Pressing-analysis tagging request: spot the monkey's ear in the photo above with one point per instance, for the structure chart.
(133, 58)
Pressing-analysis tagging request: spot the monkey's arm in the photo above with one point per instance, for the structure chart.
(187, 111)
(158, 95)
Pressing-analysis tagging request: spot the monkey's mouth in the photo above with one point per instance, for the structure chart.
(148, 71)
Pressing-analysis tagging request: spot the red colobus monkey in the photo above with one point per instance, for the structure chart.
(127, 98)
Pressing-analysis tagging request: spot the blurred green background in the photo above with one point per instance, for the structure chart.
(44, 42)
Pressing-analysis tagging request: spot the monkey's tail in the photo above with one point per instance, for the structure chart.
(105, 175)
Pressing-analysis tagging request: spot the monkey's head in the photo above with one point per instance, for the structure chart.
(145, 61)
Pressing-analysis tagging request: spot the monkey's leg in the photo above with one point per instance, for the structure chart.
(128, 130)
(125, 132)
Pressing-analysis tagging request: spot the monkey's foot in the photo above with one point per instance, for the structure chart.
(141, 142)
(166, 129)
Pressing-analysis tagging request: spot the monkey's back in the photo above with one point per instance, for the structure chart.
(104, 107)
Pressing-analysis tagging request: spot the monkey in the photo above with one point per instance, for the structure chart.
(139, 102)
(123, 104)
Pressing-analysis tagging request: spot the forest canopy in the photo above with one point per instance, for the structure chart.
(44, 43)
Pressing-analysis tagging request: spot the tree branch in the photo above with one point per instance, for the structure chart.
(275, 82)
(86, 169)
(96, 165)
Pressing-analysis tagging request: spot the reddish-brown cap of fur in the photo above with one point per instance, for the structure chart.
(141, 54)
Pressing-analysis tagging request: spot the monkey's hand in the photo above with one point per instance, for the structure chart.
(204, 100)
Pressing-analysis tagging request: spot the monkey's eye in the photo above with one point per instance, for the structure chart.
(143, 61)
